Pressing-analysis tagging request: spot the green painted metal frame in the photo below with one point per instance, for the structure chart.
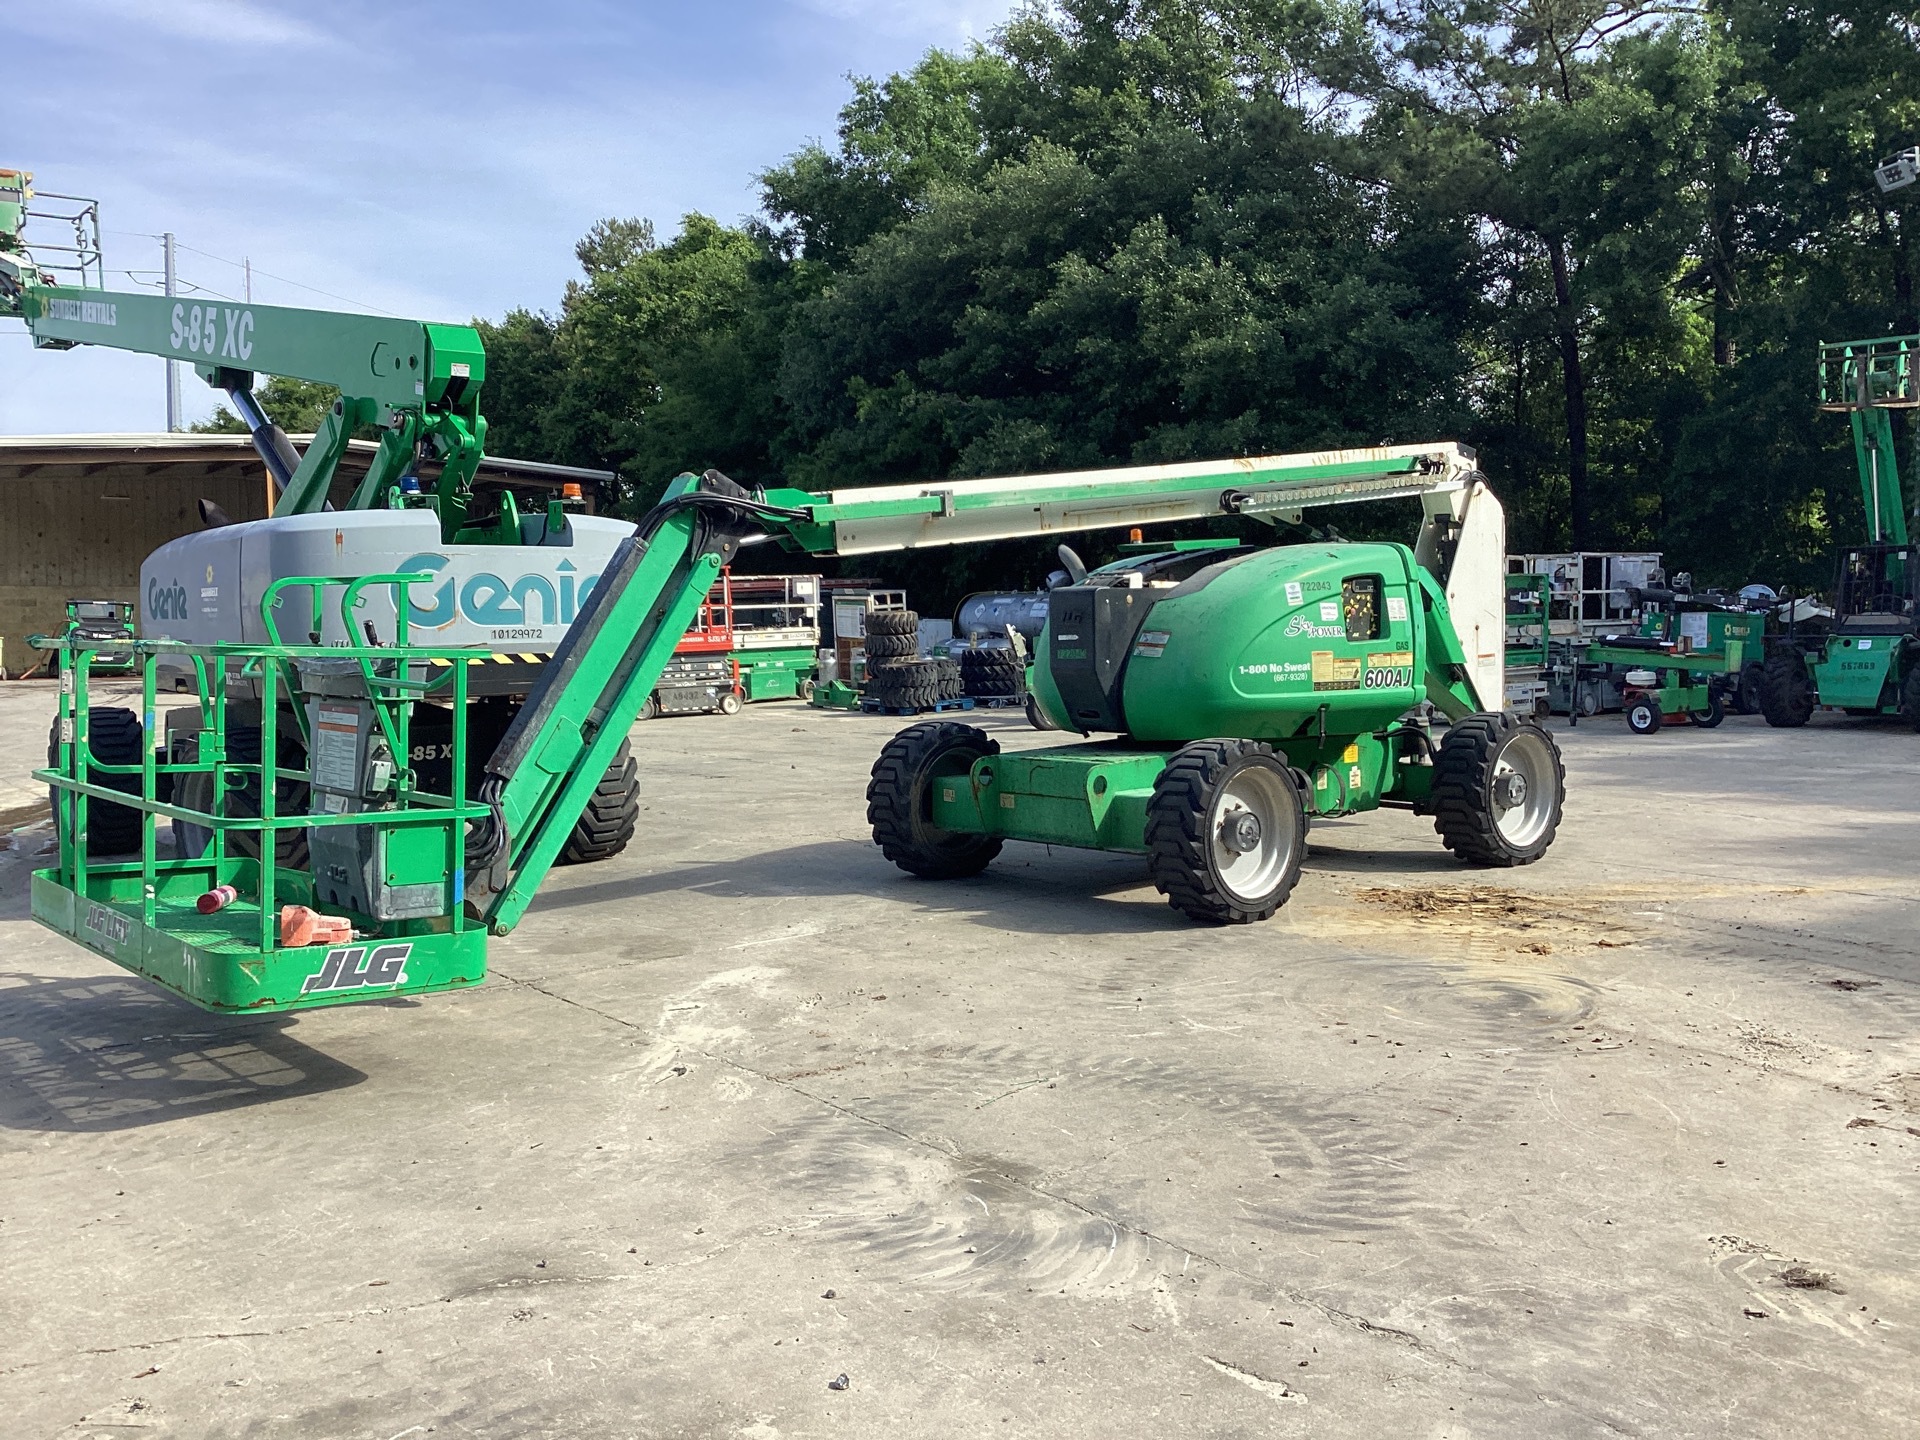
(1095, 796)
(1866, 379)
(140, 914)
(1683, 687)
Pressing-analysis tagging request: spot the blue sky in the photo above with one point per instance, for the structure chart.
(427, 159)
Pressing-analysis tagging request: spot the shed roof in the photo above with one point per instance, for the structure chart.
(23, 456)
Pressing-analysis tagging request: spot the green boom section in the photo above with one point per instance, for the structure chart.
(401, 364)
(419, 383)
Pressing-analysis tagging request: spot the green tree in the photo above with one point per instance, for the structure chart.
(296, 406)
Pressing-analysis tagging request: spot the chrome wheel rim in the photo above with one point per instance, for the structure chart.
(1250, 833)
(1523, 788)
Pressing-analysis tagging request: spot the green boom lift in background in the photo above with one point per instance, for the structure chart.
(1245, 690)
(1870, 662)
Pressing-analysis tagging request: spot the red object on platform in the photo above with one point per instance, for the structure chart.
(217, 898)
(302, 926)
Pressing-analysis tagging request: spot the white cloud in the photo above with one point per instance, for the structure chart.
(941, 22)
(221, 22)
(584, 109)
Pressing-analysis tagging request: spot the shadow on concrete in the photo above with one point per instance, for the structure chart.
(1033, 888)
(104, 1054)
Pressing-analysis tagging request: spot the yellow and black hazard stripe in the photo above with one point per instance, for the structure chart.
(497, 658)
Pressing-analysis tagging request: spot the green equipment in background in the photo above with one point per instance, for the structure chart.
(1529, 637)
(1869, 662)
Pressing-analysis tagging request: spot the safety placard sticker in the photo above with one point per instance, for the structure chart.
(1335, 672)
(1152, 643)
(336, 748)
(1397, 609)
(1294, 597)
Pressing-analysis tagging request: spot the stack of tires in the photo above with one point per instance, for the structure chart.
(896, 675)
(991, 674)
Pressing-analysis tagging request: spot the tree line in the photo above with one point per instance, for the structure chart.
(1598, 241)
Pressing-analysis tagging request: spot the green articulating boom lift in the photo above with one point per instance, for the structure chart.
(1245, 690)
(1869, 664)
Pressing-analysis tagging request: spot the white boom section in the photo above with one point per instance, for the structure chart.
(1462, 540)
(957, 512)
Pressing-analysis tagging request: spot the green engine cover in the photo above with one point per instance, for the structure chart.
(1255, 647)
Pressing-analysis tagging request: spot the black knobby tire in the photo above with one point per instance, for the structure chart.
(1786, 690)
(1473, 805)
(607, 824)
(1910, 696)
(290, 797)
(892, 622)
(900, 800)
(988, 657)
(1035, 716)
(1202, 791)
(114, 737)
(192, 791)
(1643, 715)
(992, 674)
(904, 684)
(891, 647)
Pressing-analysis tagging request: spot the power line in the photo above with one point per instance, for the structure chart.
(268, 274)
(243, 265)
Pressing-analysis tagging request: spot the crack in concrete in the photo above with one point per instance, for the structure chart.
(1254, 1380)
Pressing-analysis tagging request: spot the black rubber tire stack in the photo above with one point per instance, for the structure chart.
(892, 635)
(1786, 690)
(900, 800)
(607, 824)
(991, 674)
(904, 684)
(114, 737)
(1179, 848)
(951, 686)
(1463, 791)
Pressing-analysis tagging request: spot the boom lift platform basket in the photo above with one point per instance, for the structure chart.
(355, 703)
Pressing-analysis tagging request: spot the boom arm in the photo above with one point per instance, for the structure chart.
(420, 383)
(571, 726)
